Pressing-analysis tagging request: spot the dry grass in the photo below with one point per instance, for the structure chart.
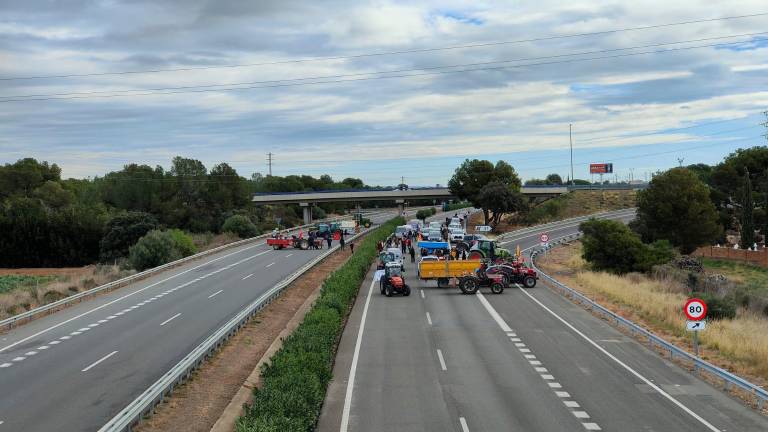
(29, 297)
(658, 304)
(206, 241)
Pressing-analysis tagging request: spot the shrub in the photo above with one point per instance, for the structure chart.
(423, 214)
(318, 213)
(718, 307)
(122, 231)
(160, 247)
(295, 380)
(612, 246)
(240, 225)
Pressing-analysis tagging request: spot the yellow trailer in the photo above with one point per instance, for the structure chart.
(444, 270)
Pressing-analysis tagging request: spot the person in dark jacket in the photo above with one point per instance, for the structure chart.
(341, 242)
(329, 240)
(413, 254)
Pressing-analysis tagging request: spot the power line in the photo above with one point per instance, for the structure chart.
(292, 83)
(387, 53)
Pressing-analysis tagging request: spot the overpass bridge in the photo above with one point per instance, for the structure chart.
(307, 199)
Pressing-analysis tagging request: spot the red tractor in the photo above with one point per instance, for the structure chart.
(514, 272)
(284, 242)
(471, 283)
(392, 282)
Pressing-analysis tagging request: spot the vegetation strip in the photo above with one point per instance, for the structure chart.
(295, 381)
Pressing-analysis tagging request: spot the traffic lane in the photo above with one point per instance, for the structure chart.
(149, 343)
(611, 384)
(527, 240)
(397, 384)
(491, 378)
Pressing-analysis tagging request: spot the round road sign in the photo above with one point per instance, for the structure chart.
(695, 309)
(544, 238)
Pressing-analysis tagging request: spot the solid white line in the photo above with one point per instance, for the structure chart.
(463, 422)
(214, 294)
(442, 360)
(7, 347)
(429, 319)
(169, 319)
(624, 365)
(269, 265)
(249, 276)
(495, 315)
(353, 370)
(99, 361)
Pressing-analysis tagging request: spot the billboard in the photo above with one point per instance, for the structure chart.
(601, 168)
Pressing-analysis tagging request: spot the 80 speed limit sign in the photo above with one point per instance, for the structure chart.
(695, 309)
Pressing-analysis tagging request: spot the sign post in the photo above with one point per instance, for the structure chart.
(695, 310)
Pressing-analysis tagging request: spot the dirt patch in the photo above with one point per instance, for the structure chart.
(198, 404)
(48, 271)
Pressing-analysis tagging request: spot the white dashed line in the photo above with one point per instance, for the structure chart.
(547, 377)
(5, 365)
(591, 426)
(102, 321)
(83, 329)
(249, 276)
(75, 333)
(581, 414)
(555, 385)
(421, 291)
(18, 359)
(429, 319)
(562, 394)
(111, 317)
(54, 342)
(572, 404)
(463, 422)
(541, 369)
(44, 347)
(442, 360)
(215, 294)
(99, 361)
(93, 325)
(519, 344)
(170, 319)
(289, 255)
(65, 337)
(30, 353)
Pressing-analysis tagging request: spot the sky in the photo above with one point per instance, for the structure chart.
(325, 94)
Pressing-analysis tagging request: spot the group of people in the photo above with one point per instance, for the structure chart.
(405, 244)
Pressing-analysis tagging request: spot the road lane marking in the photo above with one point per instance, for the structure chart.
(5, 365)
(353, 370)
(269, 265)
(637, 374)
(170, 319)
(591, 426)
(249, 276)
(555, 385)
(215, 294)
(463, 422)
(289, 255)
(495, 315)
(562, 394)
(442, 360)
(581, 414)
(572, 404)
(99, 361)
(43, 347)
(7, 347)
(429, 319)
(54, 342)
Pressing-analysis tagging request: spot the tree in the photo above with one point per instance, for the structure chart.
(123, 231)
(469, 179)
(423, 214)
(747, 209)
(676, 207)
(240, 225)
(554, 179)
(53, 195)
(501, 199)
(160, 247)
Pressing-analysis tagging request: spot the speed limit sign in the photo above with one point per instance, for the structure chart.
(544, 238)
(695, 309)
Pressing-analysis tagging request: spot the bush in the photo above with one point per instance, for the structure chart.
(318, 213)
(718, 307)
(423, 214)
(611, 246)
(123, 231)
(456, 206)
(240, 225)
(160, 247)
(295, 380)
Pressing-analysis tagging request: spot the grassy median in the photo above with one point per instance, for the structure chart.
(294, 383)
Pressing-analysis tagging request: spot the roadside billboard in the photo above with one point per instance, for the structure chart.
(601, 168)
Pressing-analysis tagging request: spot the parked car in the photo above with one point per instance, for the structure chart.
(416, 225)
(435, 225)
(403, 230)
(456, 235)
(435, 235)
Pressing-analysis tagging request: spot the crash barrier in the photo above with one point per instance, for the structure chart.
(729, 380)
(52, 307)
(556, 224)
(144, 405)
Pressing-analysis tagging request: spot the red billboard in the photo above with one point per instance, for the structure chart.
(601, 168)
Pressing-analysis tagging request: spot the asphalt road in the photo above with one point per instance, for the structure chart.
(525, 360)
(75, 369)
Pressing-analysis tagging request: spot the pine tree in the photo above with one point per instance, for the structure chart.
(747, 221)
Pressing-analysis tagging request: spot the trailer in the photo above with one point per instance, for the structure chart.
(444, 270)
(294, 242)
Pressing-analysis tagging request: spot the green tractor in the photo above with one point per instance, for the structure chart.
(487, 249)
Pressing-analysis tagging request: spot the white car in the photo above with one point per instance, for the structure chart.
(457, 235)
(453, 226)
(435, 235)
(435, 225)
(402, 230)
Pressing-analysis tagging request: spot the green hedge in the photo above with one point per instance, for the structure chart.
(457, 206)
(295, 381)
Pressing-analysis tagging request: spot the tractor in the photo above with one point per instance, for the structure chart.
(392, 281)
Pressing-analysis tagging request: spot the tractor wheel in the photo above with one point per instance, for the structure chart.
(406, 290)
(303, 244)
(529, 282)
(381, 288)
(475, 255)
(469, 285)
(275, 247)
(497, 288)
(505, 280)
(388, 290)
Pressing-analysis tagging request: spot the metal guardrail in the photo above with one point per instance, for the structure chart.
(729, 379)
(556, 224)
(146, 402)
(51, 307)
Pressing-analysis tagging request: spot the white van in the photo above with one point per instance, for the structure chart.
(397, 253)
(402, 230)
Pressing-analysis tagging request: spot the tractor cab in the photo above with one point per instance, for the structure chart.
(393, 281)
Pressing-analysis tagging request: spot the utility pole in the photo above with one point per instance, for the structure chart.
(570, 138)
(269, 162)
(766, 125)
(631, 174)
(680, 161)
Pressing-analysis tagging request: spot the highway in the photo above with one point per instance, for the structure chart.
(75, 369)
(525, 360)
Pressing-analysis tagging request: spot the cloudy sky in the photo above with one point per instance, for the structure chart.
(256, 78)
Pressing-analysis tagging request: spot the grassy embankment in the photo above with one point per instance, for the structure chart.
(294, 383)
(739, 344)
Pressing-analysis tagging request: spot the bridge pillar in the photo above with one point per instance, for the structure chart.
(400, 206)
(307, 210)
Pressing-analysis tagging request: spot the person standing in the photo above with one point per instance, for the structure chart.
(329, 240)
(413, 254)
(351, 247)
(341, 241)
(402, 247)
